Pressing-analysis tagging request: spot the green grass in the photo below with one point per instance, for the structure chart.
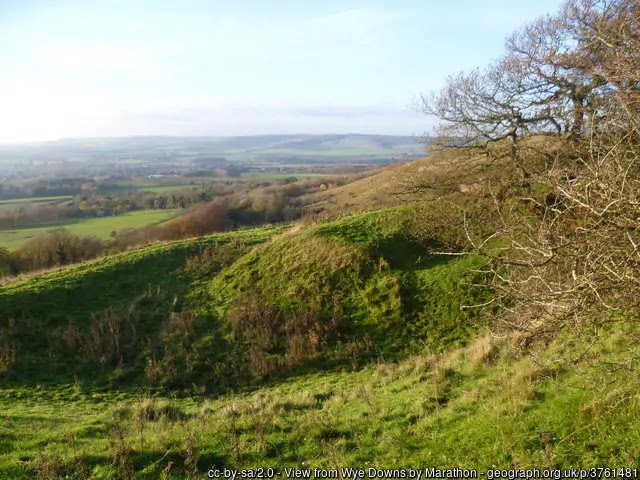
(100, 227)
(273, 176)
(408, 379)
(345, 152)
(367, 283)
(16, 204)
(169, 188)
(158, 185)
(144, 285)
(485, 406)
(386, 283)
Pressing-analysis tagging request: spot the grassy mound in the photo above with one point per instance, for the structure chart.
(235, 309)
(67, 324)
(382, 281)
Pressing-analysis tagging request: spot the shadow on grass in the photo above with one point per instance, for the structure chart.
(406, 254)
(154, 285)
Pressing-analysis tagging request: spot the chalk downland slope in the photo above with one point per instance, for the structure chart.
(160, 315)
(428, 178)
(340, 343)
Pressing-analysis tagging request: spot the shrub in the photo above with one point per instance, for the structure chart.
(277, 338)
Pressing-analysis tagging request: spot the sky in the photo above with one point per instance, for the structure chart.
(89, 68)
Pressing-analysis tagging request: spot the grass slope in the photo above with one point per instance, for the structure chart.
(384, 281)
(485, 406)
(125, 312)
(429, 178)
(147, 282)
(406, 378)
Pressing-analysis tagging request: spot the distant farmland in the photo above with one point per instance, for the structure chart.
(100, 227)
(17, 203)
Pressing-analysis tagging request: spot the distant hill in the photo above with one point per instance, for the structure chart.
(254, 149)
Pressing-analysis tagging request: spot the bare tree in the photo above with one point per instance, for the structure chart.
(544, 83)
(567, 241)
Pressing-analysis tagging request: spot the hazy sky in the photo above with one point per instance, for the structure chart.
(183, 67)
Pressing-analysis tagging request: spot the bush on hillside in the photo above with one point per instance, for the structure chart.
(278, 339)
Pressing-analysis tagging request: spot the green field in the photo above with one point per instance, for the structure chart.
(115, 187)
(168, 188)
(185, 183)
(100, 227)
(273, 176)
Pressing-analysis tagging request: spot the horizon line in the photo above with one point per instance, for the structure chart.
(142, 136)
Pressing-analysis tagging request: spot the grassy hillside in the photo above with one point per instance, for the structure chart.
(141, 287)
(427, 178)
(130, 315)
(315, 345)
(493, 404)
